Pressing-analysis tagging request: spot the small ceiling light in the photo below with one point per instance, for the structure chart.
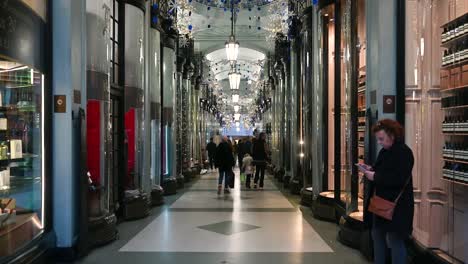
(235, 98)
(236, 108)
(249, 81)
(234, 80)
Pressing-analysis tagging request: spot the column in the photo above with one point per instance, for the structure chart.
(69, 76)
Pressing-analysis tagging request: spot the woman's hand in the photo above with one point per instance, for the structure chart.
(369, 175)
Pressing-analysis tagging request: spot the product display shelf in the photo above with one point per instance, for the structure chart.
(455, 65)
(455, 107)
(455, 161)
(458, 39)
(454, 88)
(454, 78)
(17, 234)
(464, 183)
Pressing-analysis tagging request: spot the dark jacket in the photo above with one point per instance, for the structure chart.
(240, 150)
(211, 148)
(393, 168)
(247, 148)
(224, 157)
(259, 150)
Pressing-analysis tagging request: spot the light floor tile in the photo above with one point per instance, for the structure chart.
(180, 232)
(237, 199)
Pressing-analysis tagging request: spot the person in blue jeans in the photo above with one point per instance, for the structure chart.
(224, 161)
(389, 177)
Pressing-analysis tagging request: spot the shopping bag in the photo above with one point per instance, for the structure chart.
(242, 176)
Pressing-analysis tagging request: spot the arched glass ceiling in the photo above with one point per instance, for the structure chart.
(242, 4)
(249, 64)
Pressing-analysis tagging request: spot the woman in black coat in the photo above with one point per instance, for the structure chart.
(260, 156)
(390, 176)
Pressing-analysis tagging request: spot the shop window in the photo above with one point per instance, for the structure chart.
(436, 70)
(21, 155)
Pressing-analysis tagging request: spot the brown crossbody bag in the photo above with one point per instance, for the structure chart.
(384, 208)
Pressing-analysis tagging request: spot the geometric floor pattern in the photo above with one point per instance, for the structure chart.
(242, 221)
(198, 226)
(228, 227)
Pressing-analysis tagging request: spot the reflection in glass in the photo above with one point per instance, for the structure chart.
(155, 101)
(21, 154)
(98, 105)
(134, 111)
(168, 104)
(346, 71)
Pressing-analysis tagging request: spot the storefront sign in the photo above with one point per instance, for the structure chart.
(21, 34)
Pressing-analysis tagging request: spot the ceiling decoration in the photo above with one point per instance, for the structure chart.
(246, 4)
(258, 22)
(249, 64)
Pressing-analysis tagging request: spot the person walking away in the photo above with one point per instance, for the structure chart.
(240, 153)
(247, 167)
(211, 148)
(247, 146)
(224, 162)
(231, 176)
(390, 178)
(260, 157)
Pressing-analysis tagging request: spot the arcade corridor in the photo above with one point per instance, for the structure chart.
(113, 114)
(246, 226)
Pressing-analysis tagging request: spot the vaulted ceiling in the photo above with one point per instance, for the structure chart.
(257, 23)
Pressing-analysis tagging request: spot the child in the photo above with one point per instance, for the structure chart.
(247, 168)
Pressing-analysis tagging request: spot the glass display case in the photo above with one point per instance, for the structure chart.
(345, 82)
(324, 205)
(98, 124)
(136, 203)
(340, 86)
(23, 97)
(306, 86)
(168, 135)
(155, 104)
(21, 154)
(134, 77)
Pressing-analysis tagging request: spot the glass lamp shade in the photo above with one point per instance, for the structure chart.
(236, 108)
(234, 80)
(235, 98)
(232, 49)
(237, 117)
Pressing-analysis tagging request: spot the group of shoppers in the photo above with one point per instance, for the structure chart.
(249, 153)
(389, 199)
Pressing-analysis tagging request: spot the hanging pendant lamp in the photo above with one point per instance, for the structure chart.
(234, 79)
(232, 46)
(235, 98)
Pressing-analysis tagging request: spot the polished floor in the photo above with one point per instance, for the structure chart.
(246, 226)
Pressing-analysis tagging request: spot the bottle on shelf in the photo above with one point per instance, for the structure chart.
(444, 35)
(464, 23)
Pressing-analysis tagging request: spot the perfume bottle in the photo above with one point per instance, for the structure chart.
(3, 151)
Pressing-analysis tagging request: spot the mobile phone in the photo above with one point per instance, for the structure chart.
(362, 167)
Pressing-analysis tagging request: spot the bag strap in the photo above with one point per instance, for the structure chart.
(403, 189)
